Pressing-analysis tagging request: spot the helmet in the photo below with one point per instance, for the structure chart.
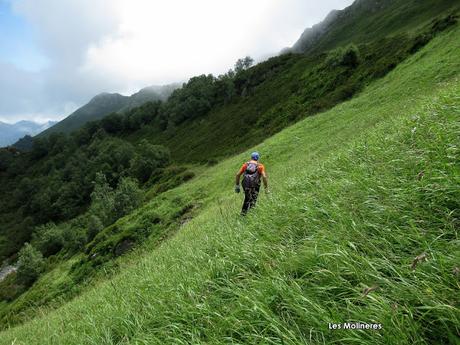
(255, 156)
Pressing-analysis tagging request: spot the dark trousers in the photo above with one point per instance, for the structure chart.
(250, 198)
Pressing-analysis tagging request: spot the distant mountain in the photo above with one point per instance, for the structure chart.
(98, 107)
(368, 20)
(107, 103)
(147, 94)
(10, 133)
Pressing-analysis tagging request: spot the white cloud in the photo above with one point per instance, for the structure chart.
(162, 42)
(123, 45)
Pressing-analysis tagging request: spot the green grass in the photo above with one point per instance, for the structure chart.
(350, 209)
(359, 24)
(52, 290)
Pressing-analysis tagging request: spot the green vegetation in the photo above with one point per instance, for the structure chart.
(361, 226)
(30, 264)
(131, 229)
(367, 21)
(281, 91)
(53, 181)
(106, 103)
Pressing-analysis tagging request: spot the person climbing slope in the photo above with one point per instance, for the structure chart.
(252, 172)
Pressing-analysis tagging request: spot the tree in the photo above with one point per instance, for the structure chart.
(150, 158)
(94, 227)
(48, 239)
(30, 264)
(102, 200)
(243, 64)
(39, 148)
(5, 159)
(348, 57)
(112, 123)
(194, 99)
(225, 87)
(74, 237)
(128, 196)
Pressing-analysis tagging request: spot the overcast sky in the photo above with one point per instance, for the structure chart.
(55, 55)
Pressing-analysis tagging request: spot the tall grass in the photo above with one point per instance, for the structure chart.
(359, 193)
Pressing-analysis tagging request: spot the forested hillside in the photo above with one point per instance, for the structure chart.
(356, 134)
(107, 103)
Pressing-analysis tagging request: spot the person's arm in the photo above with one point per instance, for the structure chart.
(265, 181)
(237, 179)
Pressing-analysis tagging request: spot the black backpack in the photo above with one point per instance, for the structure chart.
(251, 177)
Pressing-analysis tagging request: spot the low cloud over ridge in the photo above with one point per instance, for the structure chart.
(121, 46)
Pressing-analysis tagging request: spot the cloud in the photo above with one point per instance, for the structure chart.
(123, 45)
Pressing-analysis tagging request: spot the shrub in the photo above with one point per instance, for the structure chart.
(102, 199)
(345, 56)
(49, 239)
(30, 264)
(128, 196)
(94, 227)
(9, 288)
(151, 158)
(74, 238)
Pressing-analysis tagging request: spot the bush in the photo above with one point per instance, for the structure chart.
(30, 264)
(102, 200)
(9, 288)
(49, 239)
(128, 196)
(74, 237)
(348, 57)
(94, 227)
(108, 205)
(150, 158)
(112, 123)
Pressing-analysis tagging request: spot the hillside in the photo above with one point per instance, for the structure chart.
(163, 144)
(368, 20)
(99, 106)
(148, 94)
(106, 103)
(359, 193)
(133, 229)
(281, 91)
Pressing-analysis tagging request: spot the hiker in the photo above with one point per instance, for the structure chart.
(251, 171)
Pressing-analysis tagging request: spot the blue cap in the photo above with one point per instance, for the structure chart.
(255, 156)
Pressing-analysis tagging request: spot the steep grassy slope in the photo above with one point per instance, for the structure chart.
(208, 120)
(368, 20)
(358, 193)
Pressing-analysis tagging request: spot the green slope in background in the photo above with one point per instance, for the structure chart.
(358, 192)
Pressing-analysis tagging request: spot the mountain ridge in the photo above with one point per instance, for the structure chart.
(363, 21)
(106, 103)
(10, 133)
